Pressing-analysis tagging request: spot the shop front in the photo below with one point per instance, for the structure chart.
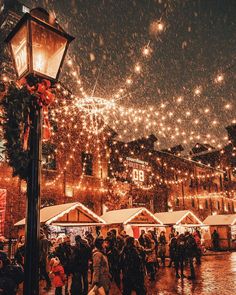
(67, 219)
(180, 221)
(131, 220)
(225, 226)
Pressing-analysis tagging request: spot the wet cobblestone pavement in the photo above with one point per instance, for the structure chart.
(215, 276)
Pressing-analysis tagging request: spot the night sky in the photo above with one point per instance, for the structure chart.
(197, 44)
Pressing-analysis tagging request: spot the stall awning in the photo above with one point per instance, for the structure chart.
(229, 219)
(184, 217)
(135, 216)
(66, 215)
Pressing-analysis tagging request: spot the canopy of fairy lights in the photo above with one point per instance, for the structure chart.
(93, 117)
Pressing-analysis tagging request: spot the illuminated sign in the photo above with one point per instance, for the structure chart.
(138, 169)
(134, 170)
(138, 175)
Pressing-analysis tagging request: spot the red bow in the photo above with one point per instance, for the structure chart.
(45, 97)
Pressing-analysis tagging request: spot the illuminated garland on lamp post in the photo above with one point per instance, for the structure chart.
(38, 46)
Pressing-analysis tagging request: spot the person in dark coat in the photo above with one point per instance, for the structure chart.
(81, 256)
(132, 269)
(154, 236)
(191, 252)
(113, 260)
(10, 276)
(215, 240)
(20, 255)
(141, 238)
(151, 258)
(172, 250)
(162, 247)
(179, 255)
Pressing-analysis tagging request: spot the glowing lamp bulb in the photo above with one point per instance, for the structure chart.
(69, 62)
(137, 68)
(39, 62)
(160, 27)
(146, 51)
(197, 91)
(219, 78)
(129, 81)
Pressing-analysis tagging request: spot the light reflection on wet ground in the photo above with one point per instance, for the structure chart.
(216, 276)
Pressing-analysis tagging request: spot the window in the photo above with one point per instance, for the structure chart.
(193, 203)
(25, 9)
(87, 163)
(206, 204)
(69, 192)
(191, 183)
(177, 202)
(218, 205)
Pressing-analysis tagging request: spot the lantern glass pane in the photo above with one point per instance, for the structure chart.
(19, 49)
(48, 48)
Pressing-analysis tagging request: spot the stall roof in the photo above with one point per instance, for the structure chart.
(178, 217)
(52, 214)
(124, 216)
(229, 219)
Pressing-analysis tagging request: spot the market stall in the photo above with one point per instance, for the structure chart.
(67, 218)
(181, 221)
(131, 220)
(225, 225)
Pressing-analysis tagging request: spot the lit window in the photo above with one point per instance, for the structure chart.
(69, 192)
(193, 203)
(25, 9)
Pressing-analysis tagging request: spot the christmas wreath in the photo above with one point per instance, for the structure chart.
(16, 106)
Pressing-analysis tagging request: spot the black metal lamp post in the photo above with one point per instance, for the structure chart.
(38, 46)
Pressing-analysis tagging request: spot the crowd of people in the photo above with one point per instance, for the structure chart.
(96, 262)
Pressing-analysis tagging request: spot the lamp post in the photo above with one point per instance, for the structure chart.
(38, 46)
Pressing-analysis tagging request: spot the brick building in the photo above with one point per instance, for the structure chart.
(162, 181)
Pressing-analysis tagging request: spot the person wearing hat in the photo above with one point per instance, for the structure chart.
(101, 274)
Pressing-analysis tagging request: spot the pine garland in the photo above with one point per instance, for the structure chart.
(16, 107)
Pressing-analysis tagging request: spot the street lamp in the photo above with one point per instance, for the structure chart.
(38, 46)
